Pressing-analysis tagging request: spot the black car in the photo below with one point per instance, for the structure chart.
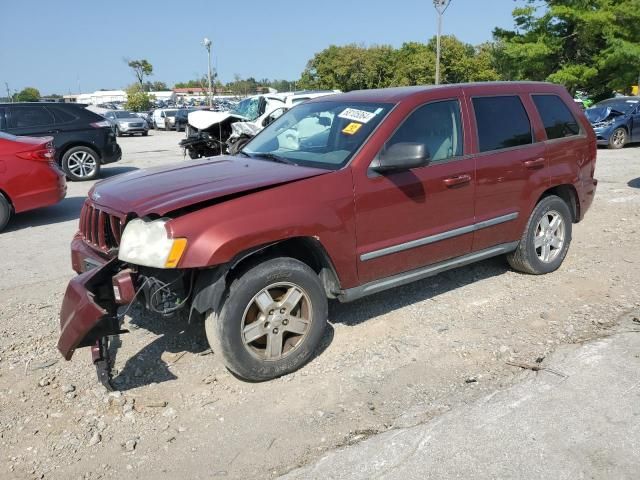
(83, 139)
(181, 118)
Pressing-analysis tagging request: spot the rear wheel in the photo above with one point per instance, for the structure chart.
(272, 320)
(546, 238)
(618, 138)
(81, 163)
(5, 212)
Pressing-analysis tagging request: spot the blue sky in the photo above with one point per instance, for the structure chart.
(53, 44)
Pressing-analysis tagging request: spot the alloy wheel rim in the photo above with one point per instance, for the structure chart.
(276, 321)
(549, 237)
(81, 164)
(618, 137)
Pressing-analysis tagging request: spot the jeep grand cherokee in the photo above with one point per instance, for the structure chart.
(339, 198)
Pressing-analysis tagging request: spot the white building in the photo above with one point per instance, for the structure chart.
(102, 96)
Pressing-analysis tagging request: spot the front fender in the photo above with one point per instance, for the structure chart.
(318, 207)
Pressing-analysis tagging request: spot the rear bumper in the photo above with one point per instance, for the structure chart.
(54, 190)
(112, 154)
(586, 196)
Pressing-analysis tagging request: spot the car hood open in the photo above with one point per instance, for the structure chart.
(166, 189)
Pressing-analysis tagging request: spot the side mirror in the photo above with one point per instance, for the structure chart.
(324, 121)
(401, 156)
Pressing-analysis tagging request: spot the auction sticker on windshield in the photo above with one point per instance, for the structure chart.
(361, 116)
(352, 128)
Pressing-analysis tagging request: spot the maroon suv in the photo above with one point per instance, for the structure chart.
(341, 197)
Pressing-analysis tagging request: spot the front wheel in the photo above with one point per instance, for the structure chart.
(546, 238)
(271, 321)
(618, 138)
(81, 163)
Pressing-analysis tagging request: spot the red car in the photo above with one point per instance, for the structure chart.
(341, 197)
(29, 177)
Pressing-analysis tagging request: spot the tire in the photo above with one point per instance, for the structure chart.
(167, 127)
(74, 158)
(618, 138)
(144, 134)
(227, 331)
(539, 241)
(5, 212)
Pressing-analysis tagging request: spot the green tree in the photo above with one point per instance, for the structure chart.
(155, 86)
(591, 45)
(29, 94)
(141, 68)
(137, 99)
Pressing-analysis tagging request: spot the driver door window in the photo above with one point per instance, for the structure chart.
(436, 125)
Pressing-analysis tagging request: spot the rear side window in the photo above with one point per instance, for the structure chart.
(558, 120)
(502, 123)
(437, 125)
(23, 117)
(60, 115)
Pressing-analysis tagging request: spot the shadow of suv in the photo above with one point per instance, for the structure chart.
(83, 139)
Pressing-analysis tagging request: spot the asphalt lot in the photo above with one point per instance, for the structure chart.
(393, 360)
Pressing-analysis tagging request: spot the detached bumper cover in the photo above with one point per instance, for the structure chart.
(88, 310)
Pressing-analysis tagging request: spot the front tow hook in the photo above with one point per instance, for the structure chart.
(102, 361)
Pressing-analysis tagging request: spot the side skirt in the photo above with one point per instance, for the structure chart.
(376, 286)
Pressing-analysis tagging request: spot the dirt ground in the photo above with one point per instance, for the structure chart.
(392, 360)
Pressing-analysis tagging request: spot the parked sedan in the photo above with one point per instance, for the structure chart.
(127, 123)
(616, 121)
(30, 178)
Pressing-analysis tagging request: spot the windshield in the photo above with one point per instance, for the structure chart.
(124, 114)
(622, 106)
(247, 108)
(322, 134)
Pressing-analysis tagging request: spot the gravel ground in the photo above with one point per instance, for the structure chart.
(392, 360)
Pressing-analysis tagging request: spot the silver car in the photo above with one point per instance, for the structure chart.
(127, 123)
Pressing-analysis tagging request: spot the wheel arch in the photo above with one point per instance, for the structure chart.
(569, 194)
(65, 148)
(212, 283)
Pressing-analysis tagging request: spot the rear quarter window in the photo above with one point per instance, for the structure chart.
(502, 122)
(60, 115)
(558, 120)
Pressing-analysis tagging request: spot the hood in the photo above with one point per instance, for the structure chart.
(165, 189)
(597, 114)
(203, 119)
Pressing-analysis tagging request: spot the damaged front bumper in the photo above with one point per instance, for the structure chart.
(89, 316)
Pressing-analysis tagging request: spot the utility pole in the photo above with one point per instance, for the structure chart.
(9, 98)
(207, 44)
(441, 7)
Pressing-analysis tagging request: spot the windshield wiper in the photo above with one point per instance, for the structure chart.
(272, 157)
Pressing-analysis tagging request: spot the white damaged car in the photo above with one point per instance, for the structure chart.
(211, 133)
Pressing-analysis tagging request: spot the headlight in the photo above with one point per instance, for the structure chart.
(147, 243)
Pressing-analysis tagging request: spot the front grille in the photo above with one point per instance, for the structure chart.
(135, 125)
(99, 228)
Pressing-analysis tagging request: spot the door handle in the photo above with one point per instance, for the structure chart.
(456, 181)
(533, 164)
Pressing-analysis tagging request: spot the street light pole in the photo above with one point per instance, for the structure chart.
(441, 7)
(207, 44)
